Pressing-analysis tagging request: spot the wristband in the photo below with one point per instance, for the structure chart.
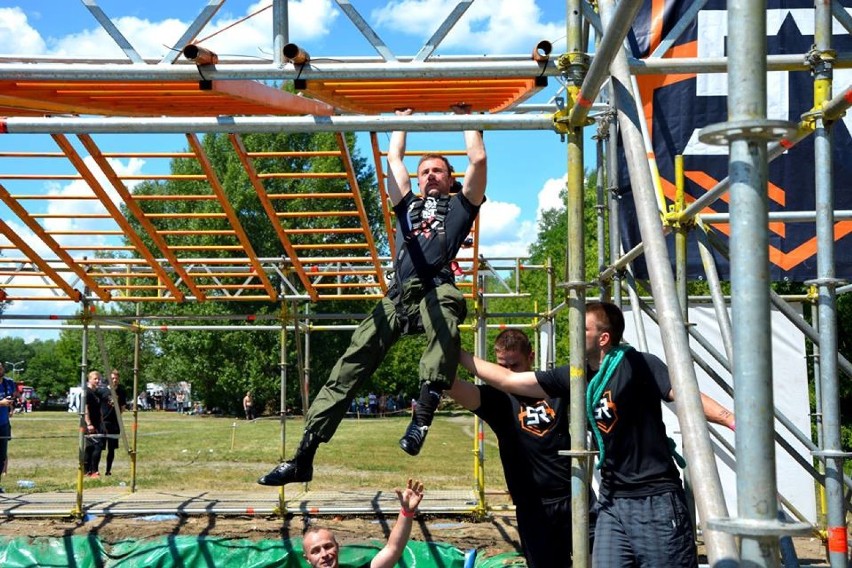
(406, 514)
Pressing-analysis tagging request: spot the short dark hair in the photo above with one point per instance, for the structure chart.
(513, 340)
(444, 159)
(610, 319)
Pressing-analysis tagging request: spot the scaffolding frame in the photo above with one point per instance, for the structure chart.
(752, 140)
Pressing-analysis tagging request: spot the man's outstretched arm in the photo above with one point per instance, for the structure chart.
(399, 182)
(466, 394)
(409, 499)
(477, 168)
(713, 411)
(524, 383)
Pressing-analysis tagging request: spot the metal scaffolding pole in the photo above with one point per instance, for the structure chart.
(133, 446)
(280, 30)
(575, 294)
(614, 200)
(282, 410)
(747, 133)
(274, 124)
(351, 68)
(469, 68)
(84, 371)
(600, 210)
(719, 305)
(721, 547)
(827, 284)
(610, 44)
(481, 351)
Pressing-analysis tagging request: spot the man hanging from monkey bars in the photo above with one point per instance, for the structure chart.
(423, 298)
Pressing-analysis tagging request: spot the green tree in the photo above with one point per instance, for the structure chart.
(222, 366)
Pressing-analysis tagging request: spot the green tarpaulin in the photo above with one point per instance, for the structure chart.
(192, 551)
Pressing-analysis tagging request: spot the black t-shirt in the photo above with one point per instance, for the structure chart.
(93, 405)
(110, 413)
(530, 433)
(637, 460)
(426, 256)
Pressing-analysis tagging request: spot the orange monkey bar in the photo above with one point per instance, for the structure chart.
(139, 255)
(374, 97)
(170, 98)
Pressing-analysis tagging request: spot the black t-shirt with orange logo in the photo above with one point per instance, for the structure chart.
(637, 461)
(530, 433)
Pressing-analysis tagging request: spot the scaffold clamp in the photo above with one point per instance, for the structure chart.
(759, 527)
(724, 133)
(827, 282)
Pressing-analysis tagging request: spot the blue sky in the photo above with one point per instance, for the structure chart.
(526, 169)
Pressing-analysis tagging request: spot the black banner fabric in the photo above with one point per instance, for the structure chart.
(679, 106)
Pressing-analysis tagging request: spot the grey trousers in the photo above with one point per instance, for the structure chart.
(643, 532)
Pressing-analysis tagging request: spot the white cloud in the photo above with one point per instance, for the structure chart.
(514, 244)
(488, 26)
(16, 34)
(548, 196)
(503, 232)
(497, 218)
(73, 219)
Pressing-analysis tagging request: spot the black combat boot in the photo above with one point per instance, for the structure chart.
(300, 468)
(430, 395)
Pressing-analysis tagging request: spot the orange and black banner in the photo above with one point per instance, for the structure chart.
(678, 106)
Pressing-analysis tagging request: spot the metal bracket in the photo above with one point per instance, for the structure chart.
(724, 133)
(831, 454)
(759, 527)
(827, 282)
(580, 454)
(575, 285)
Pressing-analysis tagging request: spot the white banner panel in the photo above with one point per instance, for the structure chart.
(790, 390)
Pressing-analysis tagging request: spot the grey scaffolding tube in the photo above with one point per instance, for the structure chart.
(84, 371)
(746, 133)
(826, 283)
(576, 296)
(721, 547)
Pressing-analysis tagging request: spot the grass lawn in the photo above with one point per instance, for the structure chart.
(181, 452)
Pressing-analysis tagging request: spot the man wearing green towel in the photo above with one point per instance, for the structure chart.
(642, 517)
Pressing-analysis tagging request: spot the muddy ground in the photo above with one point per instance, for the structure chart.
(490, 537)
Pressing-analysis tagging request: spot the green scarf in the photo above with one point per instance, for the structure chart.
(596, 389)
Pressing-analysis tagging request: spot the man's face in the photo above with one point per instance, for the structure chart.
(596, 338)
(434, 178)
(113, 378)
(321, 549)
(2, 372)
(93, 381)
(514, 360)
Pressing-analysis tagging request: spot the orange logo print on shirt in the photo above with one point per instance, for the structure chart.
(606, 414)
(537, 418)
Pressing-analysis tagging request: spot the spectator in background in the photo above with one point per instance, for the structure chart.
(93, 425)
(248, 406)
(180, 398)
(110, 414)
(8, 390)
